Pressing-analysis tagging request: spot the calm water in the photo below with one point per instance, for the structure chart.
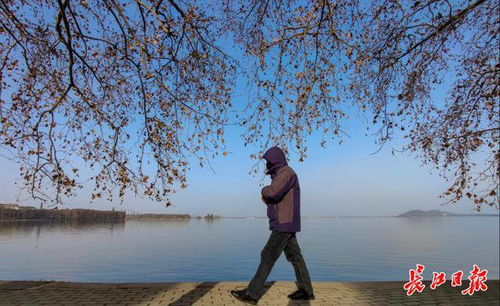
(350, 249)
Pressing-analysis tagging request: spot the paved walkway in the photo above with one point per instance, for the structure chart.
(217, 293)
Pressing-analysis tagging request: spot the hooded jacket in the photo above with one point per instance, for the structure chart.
(283, 195)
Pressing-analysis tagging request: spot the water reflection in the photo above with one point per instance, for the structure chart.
(204, 249)
(30, 227)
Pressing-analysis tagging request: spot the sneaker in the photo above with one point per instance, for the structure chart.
(243, 296)
(301, 295)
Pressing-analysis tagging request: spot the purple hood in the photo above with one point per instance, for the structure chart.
(276, 160)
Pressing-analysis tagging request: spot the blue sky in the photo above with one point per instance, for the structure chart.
(339, 180)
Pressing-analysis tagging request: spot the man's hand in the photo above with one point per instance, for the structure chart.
(264, 200)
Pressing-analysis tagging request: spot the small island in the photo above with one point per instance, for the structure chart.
(209, 217)
(212, 216)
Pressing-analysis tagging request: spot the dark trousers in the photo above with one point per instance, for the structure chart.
(277, 243)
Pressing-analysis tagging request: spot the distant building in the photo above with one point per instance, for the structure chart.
(15, 206)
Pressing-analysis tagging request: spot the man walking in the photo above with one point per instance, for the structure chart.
(282, 198)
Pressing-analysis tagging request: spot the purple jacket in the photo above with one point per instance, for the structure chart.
(283, 195)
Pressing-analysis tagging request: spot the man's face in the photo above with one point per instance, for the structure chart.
(268, 165)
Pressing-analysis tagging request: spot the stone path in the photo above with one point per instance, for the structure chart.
(217, 294)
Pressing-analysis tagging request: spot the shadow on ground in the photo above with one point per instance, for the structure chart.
(194, 294)
(295, 303)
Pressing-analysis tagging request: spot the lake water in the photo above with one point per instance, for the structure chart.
(338, 249)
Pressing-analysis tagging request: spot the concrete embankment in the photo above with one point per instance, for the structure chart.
(218, 294)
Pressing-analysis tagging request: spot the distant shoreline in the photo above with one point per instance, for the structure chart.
(251, 218)
(351, 217)
(14, 212)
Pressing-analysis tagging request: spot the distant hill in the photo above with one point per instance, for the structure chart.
(439, 213)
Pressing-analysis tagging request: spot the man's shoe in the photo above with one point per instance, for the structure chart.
(243, 296)
(294, 293)
(301, 295)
